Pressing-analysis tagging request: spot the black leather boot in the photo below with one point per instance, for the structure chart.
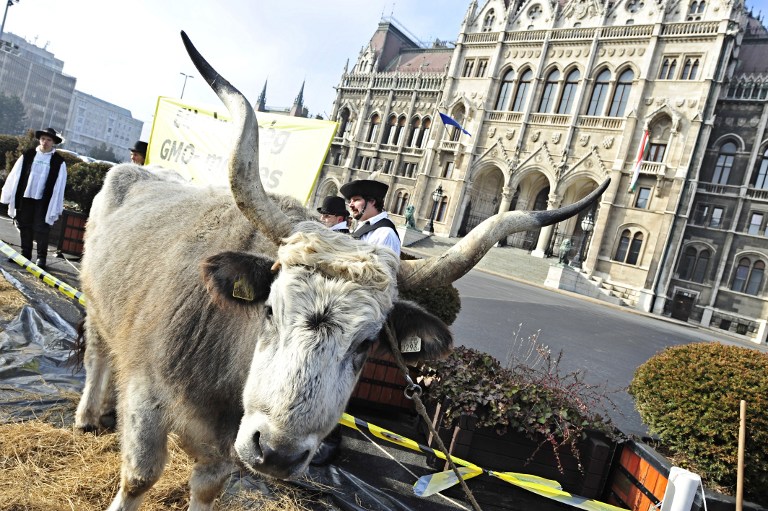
(41, 238)
(27, 238)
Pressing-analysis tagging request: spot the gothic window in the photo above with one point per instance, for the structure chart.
(656, 153)
(389, 134)
(690, 69)
(695, 10)
(345, 125)
(755, 223)
(550, 91)
(413, 136)
(398, 138)
(400, 203)
(668, 68)
(599, 93)
(522, 90)
(629, 247)
(469, 65)
(373, 130)
(693, 265)
(387, 167)
(748, 277)
(621, 94)
(505, 91)
(569, 92)
(488, 22)
(643, 197)
(760, 181)
(448, 169)
(724, 163)
(441, 209)
(482, 66)
(424, 135)
(455, 133)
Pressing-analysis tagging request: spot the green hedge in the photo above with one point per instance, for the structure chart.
(84, 180)
(689, 396)
(442, 301)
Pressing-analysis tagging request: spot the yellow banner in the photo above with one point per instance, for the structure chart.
(196, 142)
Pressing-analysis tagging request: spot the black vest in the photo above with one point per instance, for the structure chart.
(50, 182)
(384, 222)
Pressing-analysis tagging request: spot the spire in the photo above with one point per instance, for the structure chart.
(298, 110)
(261, 103)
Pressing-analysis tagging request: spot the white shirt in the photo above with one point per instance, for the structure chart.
(340, 226)
(384, 236)
(38, 174)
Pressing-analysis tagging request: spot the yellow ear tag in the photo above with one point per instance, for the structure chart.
(243, 290)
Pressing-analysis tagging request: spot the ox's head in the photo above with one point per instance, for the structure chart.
(315, 318)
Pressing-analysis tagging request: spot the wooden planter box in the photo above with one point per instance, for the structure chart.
(381, 384)
(511, 453)
(71, 233)
(639, 478)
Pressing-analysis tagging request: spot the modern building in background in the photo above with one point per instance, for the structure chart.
(93, 122)
(36, 77)
(558, 97)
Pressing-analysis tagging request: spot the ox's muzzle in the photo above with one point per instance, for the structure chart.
(272, 455)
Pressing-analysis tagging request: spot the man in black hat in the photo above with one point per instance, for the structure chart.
(139, 152)
(334, 214)
(366, 203)
(34, 192)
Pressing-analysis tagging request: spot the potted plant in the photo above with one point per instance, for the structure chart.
(522, 417)
(84, 180)
(689, 397)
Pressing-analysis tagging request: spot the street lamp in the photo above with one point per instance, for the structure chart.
(7, 5)
(587, 224)
(437, 196)
(185, 83)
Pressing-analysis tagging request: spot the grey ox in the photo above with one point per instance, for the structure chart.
(234, 320)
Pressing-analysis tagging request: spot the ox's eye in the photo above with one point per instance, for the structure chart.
(268, 311)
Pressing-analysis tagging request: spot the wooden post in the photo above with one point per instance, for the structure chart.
(742, 441)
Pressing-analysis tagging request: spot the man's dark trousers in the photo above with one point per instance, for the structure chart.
(30, 218)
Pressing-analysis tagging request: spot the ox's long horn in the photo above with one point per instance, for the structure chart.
(455, 262)
(244, 176)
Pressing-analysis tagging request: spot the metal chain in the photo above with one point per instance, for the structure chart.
(415, 394)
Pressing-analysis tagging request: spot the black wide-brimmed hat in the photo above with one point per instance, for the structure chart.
(51, 133)
(334, 206)
(140, 147)
(364, 188)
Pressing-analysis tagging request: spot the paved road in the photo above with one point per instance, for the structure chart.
(607, 342)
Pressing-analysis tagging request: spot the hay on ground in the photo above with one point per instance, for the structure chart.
(44, 468)
(11, 300)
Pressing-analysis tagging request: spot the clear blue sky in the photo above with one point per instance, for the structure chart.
(130, 52)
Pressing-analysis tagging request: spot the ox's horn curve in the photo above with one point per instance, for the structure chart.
(244, 178)
(455, 262)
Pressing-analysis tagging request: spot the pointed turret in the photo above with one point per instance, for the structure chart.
(261, 103)
(298, 110)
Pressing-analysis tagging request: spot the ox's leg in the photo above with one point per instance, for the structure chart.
(98, 399)
(206, 483)
(144, 444)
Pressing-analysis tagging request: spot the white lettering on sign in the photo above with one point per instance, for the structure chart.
(410, 345)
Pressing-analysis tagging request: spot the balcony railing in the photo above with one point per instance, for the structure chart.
(653, 168)
(565, 34)
(448, 145)
(625, 31)
(389, 147)
(525, 35)
(609, 123)
(367, 145)
(758, 194)
(417, 151)
(718, 189)
(500, 115)
(550, 119)
(481, 37)
(689, 28)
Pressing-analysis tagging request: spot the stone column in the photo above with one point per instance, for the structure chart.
(545, 235)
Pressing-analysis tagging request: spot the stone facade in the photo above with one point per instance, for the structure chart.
(558, 97)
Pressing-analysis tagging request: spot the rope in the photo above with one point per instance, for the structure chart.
(414, 394)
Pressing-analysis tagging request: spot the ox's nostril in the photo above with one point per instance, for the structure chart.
(257, 447)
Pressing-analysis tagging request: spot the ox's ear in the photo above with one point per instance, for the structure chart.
(238, 277)
(421, 335)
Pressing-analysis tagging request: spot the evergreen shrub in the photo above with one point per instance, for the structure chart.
(84, 180)
(689, 396)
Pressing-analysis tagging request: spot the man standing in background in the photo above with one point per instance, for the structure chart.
(139, 152)
(334, 214)
(34, 192)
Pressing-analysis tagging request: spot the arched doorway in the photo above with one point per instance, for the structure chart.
(527, 240)
(484, 199)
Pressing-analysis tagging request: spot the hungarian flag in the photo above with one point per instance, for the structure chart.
(638, 161)
(450, 121)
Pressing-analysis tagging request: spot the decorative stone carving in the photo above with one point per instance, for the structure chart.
(556, 137)
(608, 142)
(509, 134)
(584, 140)
(535, 136)
(641, 51)
(680, 102)
(491, 131)
(602, 52)
(692, 103)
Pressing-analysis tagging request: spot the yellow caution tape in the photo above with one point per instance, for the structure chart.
(46, 277)
(433, 483)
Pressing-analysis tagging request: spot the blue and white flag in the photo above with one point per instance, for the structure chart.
(449, 121)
